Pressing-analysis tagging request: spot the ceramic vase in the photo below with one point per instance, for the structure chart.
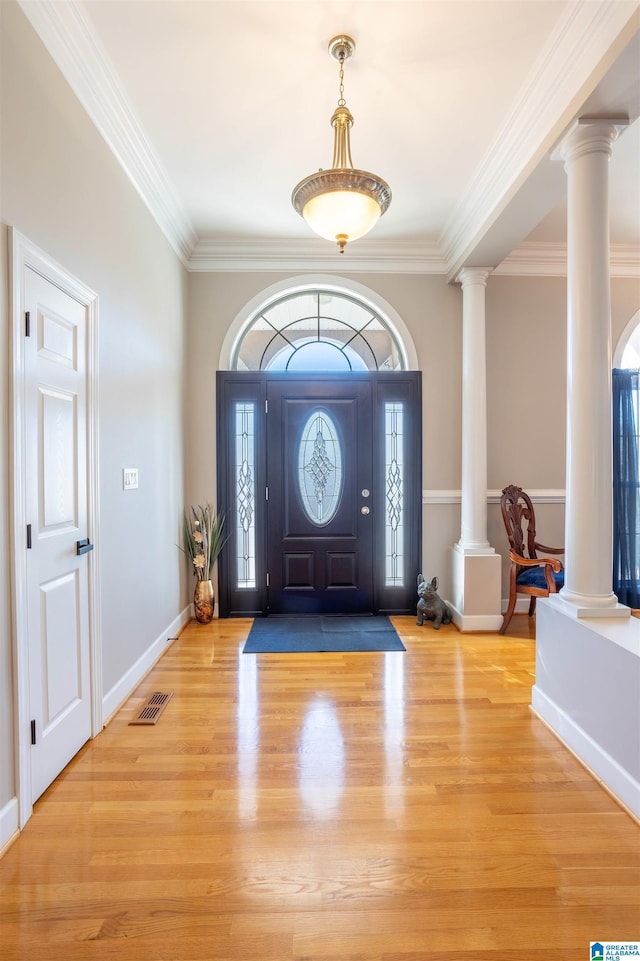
(203, 601)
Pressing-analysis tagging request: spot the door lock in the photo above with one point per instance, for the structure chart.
(364, 509)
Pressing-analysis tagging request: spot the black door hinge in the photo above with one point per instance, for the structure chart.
(28, 536)
(33, 732)
(27, 324)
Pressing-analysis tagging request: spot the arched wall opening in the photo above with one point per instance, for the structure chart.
(627, 350)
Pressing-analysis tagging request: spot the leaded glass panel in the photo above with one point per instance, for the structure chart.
(361, 338)
(245, 518)
(320, 471)
(394, 494)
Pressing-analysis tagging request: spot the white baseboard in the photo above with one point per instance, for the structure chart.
(488, 622)
(475, 622)
(598, 762)
(115, 698)
(8, 823)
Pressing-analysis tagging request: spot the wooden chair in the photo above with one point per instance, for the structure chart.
(531, 575)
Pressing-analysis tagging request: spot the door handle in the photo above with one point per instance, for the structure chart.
(83, 546)
(364, 510)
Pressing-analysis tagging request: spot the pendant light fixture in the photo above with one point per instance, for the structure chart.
(343, 203)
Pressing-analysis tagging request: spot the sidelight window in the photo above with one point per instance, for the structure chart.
(245, 509)
(394, 494)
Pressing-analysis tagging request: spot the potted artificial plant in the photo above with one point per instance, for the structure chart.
(203, 537)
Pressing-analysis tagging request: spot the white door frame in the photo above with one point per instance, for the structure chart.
(23, 254)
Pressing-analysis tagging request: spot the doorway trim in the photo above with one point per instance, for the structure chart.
(23, 254)
(251, 387)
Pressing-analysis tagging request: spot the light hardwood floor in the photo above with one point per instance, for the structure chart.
(318, 807)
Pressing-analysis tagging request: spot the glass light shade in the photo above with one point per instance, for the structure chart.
(341, 213)
(341, 204)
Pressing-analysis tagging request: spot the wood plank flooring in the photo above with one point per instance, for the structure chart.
(318, 807)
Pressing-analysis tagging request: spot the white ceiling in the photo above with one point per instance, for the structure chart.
(217, 108)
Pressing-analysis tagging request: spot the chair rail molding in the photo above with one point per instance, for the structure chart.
(540, 496)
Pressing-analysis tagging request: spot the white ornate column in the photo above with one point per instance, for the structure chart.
(473, 514)
(476, 599)
(587, 652)
(588, 520)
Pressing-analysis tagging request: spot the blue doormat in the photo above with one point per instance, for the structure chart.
(320, 633)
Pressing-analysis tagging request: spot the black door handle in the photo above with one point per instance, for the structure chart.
(83, 546)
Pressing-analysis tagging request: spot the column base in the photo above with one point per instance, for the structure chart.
(473, 550)
(578, 606)
(476, 603)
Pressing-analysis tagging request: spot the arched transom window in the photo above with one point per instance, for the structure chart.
(317, 330)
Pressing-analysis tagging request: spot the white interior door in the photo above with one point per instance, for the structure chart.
(55, 497)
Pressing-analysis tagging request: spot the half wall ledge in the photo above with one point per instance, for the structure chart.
(587, 691)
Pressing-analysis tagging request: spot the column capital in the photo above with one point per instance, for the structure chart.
(476, 276)
(589, 135)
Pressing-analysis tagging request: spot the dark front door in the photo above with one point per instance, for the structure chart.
(320, 504)
(319, 480)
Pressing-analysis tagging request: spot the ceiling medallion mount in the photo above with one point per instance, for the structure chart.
(342, 48)
(343, 203)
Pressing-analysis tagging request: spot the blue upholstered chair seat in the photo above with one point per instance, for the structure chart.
(534, 577)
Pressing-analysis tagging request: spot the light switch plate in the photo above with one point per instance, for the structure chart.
(129, 478)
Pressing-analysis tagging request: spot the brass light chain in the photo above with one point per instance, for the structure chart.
(341, 101)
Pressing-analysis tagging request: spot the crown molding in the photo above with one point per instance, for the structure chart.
(371, 256)
(550, 260)
(85, 65)
(527, 260)
(584, 37)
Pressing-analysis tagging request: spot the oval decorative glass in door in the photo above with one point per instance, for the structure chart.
(320, 473)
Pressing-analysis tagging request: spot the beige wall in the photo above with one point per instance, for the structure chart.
(526, 382)
(526, 375)
(63, 189)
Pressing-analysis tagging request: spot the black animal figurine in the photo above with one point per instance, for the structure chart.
(431, 607)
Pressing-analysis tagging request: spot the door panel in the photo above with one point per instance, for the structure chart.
(56, 502)
(319, 551)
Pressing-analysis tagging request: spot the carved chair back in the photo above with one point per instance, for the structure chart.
(530, 574)
(519, 521)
